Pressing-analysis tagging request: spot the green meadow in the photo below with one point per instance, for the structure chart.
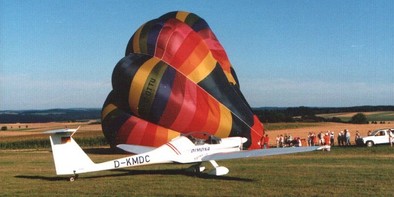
(371, 116)
(351, 171)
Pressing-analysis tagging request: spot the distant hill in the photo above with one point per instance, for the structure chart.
(50, 115)
(291, 114)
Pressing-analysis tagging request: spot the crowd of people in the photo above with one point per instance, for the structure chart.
(328, 138)
(281, 141)
(343, 138)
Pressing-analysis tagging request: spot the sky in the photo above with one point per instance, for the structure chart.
(61, 54)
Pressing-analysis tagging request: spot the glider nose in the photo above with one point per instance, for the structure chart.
(244, 139)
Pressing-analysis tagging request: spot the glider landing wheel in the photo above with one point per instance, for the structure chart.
(73, 178)
(196, 169)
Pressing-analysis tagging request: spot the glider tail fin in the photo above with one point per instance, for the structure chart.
(68, 156)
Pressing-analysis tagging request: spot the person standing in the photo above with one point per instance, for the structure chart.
(261, 143)
(339, 138)
(266, 141)
(315, 139)
(327, 139)
(391, 137)
(332, 136)
(281, 141)
(310, 139)
(357, 136)
(347, 137)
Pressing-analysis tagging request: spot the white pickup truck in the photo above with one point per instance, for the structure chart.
(379, 136)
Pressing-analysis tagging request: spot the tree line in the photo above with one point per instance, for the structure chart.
(265, 114)
(51, 115)
(308, 114)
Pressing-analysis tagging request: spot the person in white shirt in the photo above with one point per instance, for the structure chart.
(391, 137)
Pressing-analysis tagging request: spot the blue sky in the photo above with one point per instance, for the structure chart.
(60, 54)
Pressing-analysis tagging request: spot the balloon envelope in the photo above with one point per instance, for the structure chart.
(176, 78)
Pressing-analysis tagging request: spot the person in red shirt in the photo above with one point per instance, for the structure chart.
(261, 142)
(266, 141)
(327, 139)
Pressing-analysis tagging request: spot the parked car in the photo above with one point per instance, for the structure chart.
(379, 136)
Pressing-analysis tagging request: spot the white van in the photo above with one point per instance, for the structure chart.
(379, 136)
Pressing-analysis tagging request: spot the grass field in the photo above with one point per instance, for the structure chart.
(352, 171)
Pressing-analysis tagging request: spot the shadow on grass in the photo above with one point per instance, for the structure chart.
(45, 178)
(123, 172)
(183, 172)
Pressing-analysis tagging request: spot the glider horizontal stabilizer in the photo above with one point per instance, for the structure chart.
(137, 149)
(62, 131)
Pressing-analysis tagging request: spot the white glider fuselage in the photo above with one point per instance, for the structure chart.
(178, 150)
(70, 159)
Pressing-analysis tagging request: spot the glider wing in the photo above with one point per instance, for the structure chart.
(258, 153)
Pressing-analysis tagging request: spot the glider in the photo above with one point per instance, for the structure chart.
(194, 148)
(176, 78)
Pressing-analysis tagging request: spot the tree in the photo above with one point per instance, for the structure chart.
(359, 118)
(336, 119)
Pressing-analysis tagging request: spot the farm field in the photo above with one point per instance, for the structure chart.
(371, 116)
(93, 132)
(350, 171)
(31, 135)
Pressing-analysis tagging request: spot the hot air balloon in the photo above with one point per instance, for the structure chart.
(176, 78)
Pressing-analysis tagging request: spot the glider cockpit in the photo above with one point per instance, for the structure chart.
(201, 138)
